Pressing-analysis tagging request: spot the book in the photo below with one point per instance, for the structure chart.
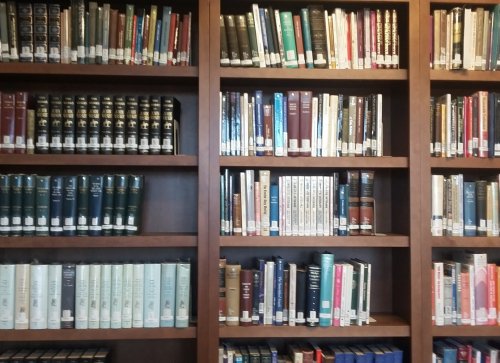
(56, 205)
(138, 296)
(318, 35)
(42, 210)
(82, 296)
(116, 296)
(182, 295)
(120, 204)
(94, 124)
(7, 290)
(96, 184)
(167, 297)
(246, 297)
(232, 294)
(68, 296)
(134, 199)
(326, 262)
(105, 297)
(171, 110)
(8, 122)
(152, 291)
(82, 210)
(94, 296)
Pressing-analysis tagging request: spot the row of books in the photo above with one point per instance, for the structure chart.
(89, 355)
(299, 123)
(464, 208)
(322, 293)
(315, 38)
(465, 290)
(303, 352)
(87, 33)
(465, 126)
(95, 296)
(463, 38)
(452, 350)
(71, 205)
(341, 204)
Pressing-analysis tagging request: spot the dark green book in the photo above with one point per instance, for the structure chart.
(131, 124)
(29, 197)
(68, 125)
(56, 205)
(4, 205)
(88, 356)
(95, 205)
(144, 124)
(120, 203)
(47, 356)
(106, 123)
(108, 204)
(224, 48)
(155, 125)
(16, 205)
(74, 356)
(94, 124)
(119, 126)
(252, 36)
(69, 205)
(42, 124)
(56, 124)
(134, 199)
(42, 210)
(171, 110)
(82, 226)
(81, 119)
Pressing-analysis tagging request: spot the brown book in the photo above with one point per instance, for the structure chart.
(305, 123)
(20, 128)
(237, 230)
(318, 35)
(246, 296)
(353, 181)
(222, 290)
(299, 41)
(145, 40)
(327, 357)
(345, 127)
(224, 50)
(232, 41)
(268, 130)
(307, 353)
(13, 34)
(8, 122)
(232, 294)
(243, 41)
(174, 18)
(366, 206)
(120, 38)
(113, 39)
(360, 107)
(293, 111)
(479, 39)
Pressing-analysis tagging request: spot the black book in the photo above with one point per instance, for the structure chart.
(20, 356)
(47, 356)
(131, 124)
(34, 356)
(41, 32)
(56, 124)
(144, 124)
(108, 204)
(88, 356)
(70, 205)
(95, 205)
(42, 210)
(42, 124)
(106, 125)
(481, 207)
(101, 356)
(25, 23)
(120, 204)
(255, 297)
(78, 31)
(68, 296)
(74, 356)
(16, 205)
(270, 41)
(81, 119)
(300, 303)
(61, 355)
(119, 126)
(155, 125)
(171, 112)
(54, 33)
(232, 41)
(29, 203)
(56, 205)
(4, 205)
(318, 35)
(335, 203)
(82, 226)
(313, 288)
(6, 355)
(94, 124)
(134, 199)
(68, 124)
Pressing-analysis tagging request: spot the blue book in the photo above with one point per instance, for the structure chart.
(326, 261)
(349, 355)
(388, 354)
(255, 296)
(279, 290)
(138, 39)
(306, 37)
(319, 127)
(259, 124)
(274, 210)
(231, 141)
(448, 352)
(369, 356)
(167, 294)
(359, 355)
(379, 356)
(339, 124)
(264, 36)
(279, 146)
(274, 353)
(165, 29)
(339, 354)
(95, 205)
(69, 206)
(156, 51)
(343, 209)
(469, 209)
(397, 353)
(56, 206)
(261, 263)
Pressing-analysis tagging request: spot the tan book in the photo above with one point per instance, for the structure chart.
(232, 294)
(479, 39)
(153, 14)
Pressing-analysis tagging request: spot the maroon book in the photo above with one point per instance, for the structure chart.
(305, 123)
(20, 122)
(268, 130)
(246, 281)
(293, 111)
(8, 122)
(353, 181)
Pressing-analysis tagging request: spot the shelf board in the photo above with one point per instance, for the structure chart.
(464, 75)
(465, 163)
(386, 326)
(315, 74)
(97, 334)
(145, 241)
(352, 241)
(313, 162)
(100, 160)
(466, 242)
(466, 331)
(110, 70)
(465, 2)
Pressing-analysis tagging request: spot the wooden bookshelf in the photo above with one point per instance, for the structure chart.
(347, 242)
(464, 76)
(465, 242)
(464, 163)
(310, 162)
(466, 331)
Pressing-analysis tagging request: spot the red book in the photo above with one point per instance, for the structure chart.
(185, 39)
(246, 282)
(268, 130)
(171, 38)
(373, 38)
(299, 42)
(349, 42)
(293, 111)
(305, 123)
(8, 122)
(134, 36)
(20, 128)
(361, 42)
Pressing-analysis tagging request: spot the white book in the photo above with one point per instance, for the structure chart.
(292, 290)
(116, 296)
(360, 267)
(182, 295)
(448, 42)
(268, 292)
(307, 206)
(94, 295)
(152, 284)
(325, 138)
(295, 205)
(127, 295)
(258, 31)
(494, 204)
(473, 42)
(222, 144)
(368, 293)
(354, 40)
(38, 296)
(251, 127)
(332, 138)
(314, 126)
(439, 293)
(167, 294)
(479, 261)
(22, 302)
(367, 35)
(314, 203)
(348, 294)
(319, 206)
(301, 205)
(243, 198)
(138, 296)
(265, 201)
(7, 295)
(281, 204)
(82, 297)
(343, 294)
(457, 202)
(244, 124)
(467, 32)
(105, 298)
(326, 205)
(331, 215)
(380, 128)
(327, 33)
(250, 202)
(288, 205)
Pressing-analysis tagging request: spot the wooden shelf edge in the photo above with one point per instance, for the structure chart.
(99, 160)
(464, 242)
(148, 241)
(386, 326)
(464, 2)
(463, 75)
(313, 162)
(464, 163)
(97, 334)
(465, 331)
(352, 241)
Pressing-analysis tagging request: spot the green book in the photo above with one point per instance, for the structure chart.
(4, 205)
(252, 35)
(29, 194)
(82, 226)
(306, 37)
(129, 18)
(291, 60)
(42, 210)
(108, 205)
(4, 33)
(16, 205)
(56, 205)
(69, 206)
(120, 203)
(95, 205)
(135, 187)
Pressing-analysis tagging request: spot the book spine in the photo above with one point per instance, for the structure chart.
(127, 296)
(269, 282)
(343, 210)
(232, 294)
(42, 210)
(165, 34)
(132, 124)
(8, 122)
(54, 287)
(81, 120)
(129, 16)
(82, 224)
(318, 35)
(56, 205)
(30, 131)
(134, 199)
(105, 298)
(144, 124)
(42, 32)
(116, 296)
(8, 293)
(104, 124)
(105, 32)
(167, 299)
(54, 33)
(119, 125)
(22, 297)
(152, 289)
(5, 213)
(246, 281)
(182, 295)
(21, 101)
(12, 24)
(56, 124)
(94, 124)
(278, 291)
(256, 278)
(82, 297)
(69, 214)
(4, 33)
(481, 207)
(29, 202)
(68, 119)
(138, 296)
(96, 185)
(68, 296)
(16, 205)
(155, 125)
(353, 181)
(38, 296)
(120, 204)
(305, 123)
(170, 119)
(120, 38)
(313, 295)
(94, 296)
(326, 261)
